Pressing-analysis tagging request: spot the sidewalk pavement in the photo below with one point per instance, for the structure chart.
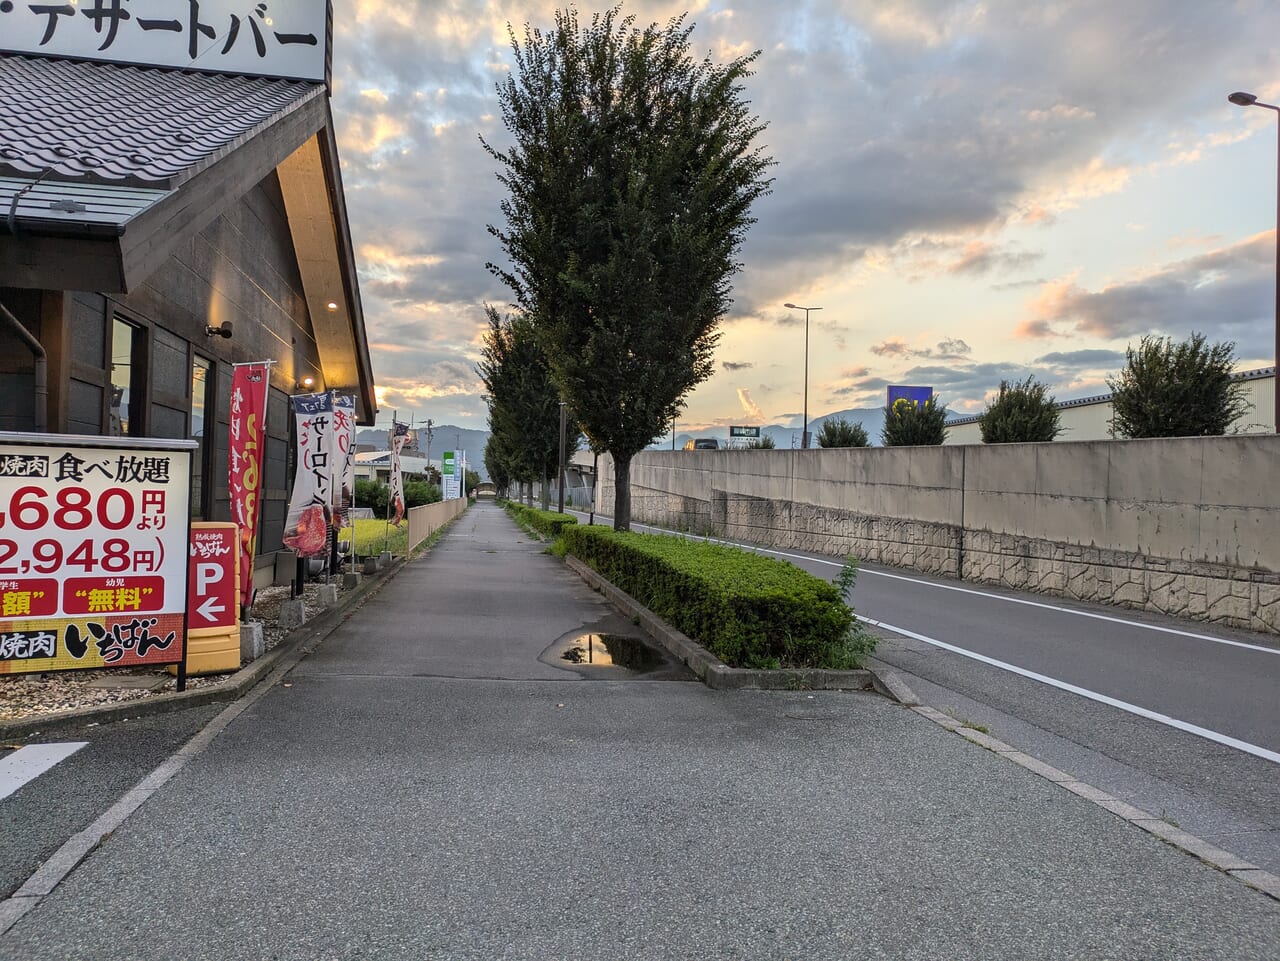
(435, 783)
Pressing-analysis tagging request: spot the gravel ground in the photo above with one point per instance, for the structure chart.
(34, 695)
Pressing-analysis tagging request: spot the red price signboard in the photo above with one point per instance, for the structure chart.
(213, 590)
(93, 551)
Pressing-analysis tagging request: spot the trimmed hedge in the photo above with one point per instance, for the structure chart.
(747, 609)
(546, 523)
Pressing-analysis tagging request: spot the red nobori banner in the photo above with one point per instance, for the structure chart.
(306, 529)
(93, 551)
(248, 425)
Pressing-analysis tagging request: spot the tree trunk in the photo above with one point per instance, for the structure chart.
(621, 493)
(546, 493)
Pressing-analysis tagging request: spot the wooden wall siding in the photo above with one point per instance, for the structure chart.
(89, 372)
(86, 403)
(88, 334)
(275, 500)
(17, 399)
(220, 436)
(170, 369)
(17, 366)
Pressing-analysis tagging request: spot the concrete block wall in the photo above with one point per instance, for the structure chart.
(429, 518)
(1187, 526)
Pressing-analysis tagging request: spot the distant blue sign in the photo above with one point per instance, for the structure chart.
(917, 395)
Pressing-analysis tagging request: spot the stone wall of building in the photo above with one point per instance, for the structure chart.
(1187, 526)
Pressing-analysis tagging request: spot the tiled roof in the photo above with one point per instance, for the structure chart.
(147, 126)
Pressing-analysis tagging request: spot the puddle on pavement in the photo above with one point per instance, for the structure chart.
(600, 656)
(610, 650)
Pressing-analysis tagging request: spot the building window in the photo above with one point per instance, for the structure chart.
(202, 433)
(128, 380)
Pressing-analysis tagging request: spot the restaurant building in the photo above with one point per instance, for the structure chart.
(171, 204)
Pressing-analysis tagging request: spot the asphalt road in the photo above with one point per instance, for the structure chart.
(37, 819)
(1193, 675)
(431, 784)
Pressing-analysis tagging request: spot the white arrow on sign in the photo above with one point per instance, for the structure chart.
(210, 608)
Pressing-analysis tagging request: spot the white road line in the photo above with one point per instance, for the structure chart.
(28, 763)
(1156, 716)
(995, 597)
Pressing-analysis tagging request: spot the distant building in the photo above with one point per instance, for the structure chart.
(376, 465)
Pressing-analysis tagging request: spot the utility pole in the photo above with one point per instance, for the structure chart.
(560, 484)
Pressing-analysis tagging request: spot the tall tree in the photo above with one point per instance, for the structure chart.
(495, 463)
(1171, 389)
(631, 178)
(524, 404)
(908, 424)
(1022, 412)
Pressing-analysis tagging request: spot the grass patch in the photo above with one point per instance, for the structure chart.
(749, 610)
(371, 536)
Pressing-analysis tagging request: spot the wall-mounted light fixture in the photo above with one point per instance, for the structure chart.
(223, 331)
(306, 383)
(332, 305)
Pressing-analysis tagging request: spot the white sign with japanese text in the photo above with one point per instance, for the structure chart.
(268, 38)
(93, 551)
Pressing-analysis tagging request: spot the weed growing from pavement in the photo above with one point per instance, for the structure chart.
(859, 643)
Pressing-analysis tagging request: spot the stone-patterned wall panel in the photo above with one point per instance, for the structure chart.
(1207, 592)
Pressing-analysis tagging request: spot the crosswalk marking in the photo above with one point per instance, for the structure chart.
(27, 763)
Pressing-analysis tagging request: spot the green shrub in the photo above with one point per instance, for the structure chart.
(1177, 389)
(417, 493)
(908, 424)
(546, 523)
(1021, 413)
(838, 432)
(747, 609)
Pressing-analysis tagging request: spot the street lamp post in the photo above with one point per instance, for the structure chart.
(804, 429)
(1241, 99)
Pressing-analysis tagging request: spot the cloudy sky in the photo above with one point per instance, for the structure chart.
(970, 191)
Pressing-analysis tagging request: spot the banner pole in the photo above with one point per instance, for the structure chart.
(391, 443)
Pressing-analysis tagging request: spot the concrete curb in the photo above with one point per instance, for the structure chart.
(234, 687)
(715, 673)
